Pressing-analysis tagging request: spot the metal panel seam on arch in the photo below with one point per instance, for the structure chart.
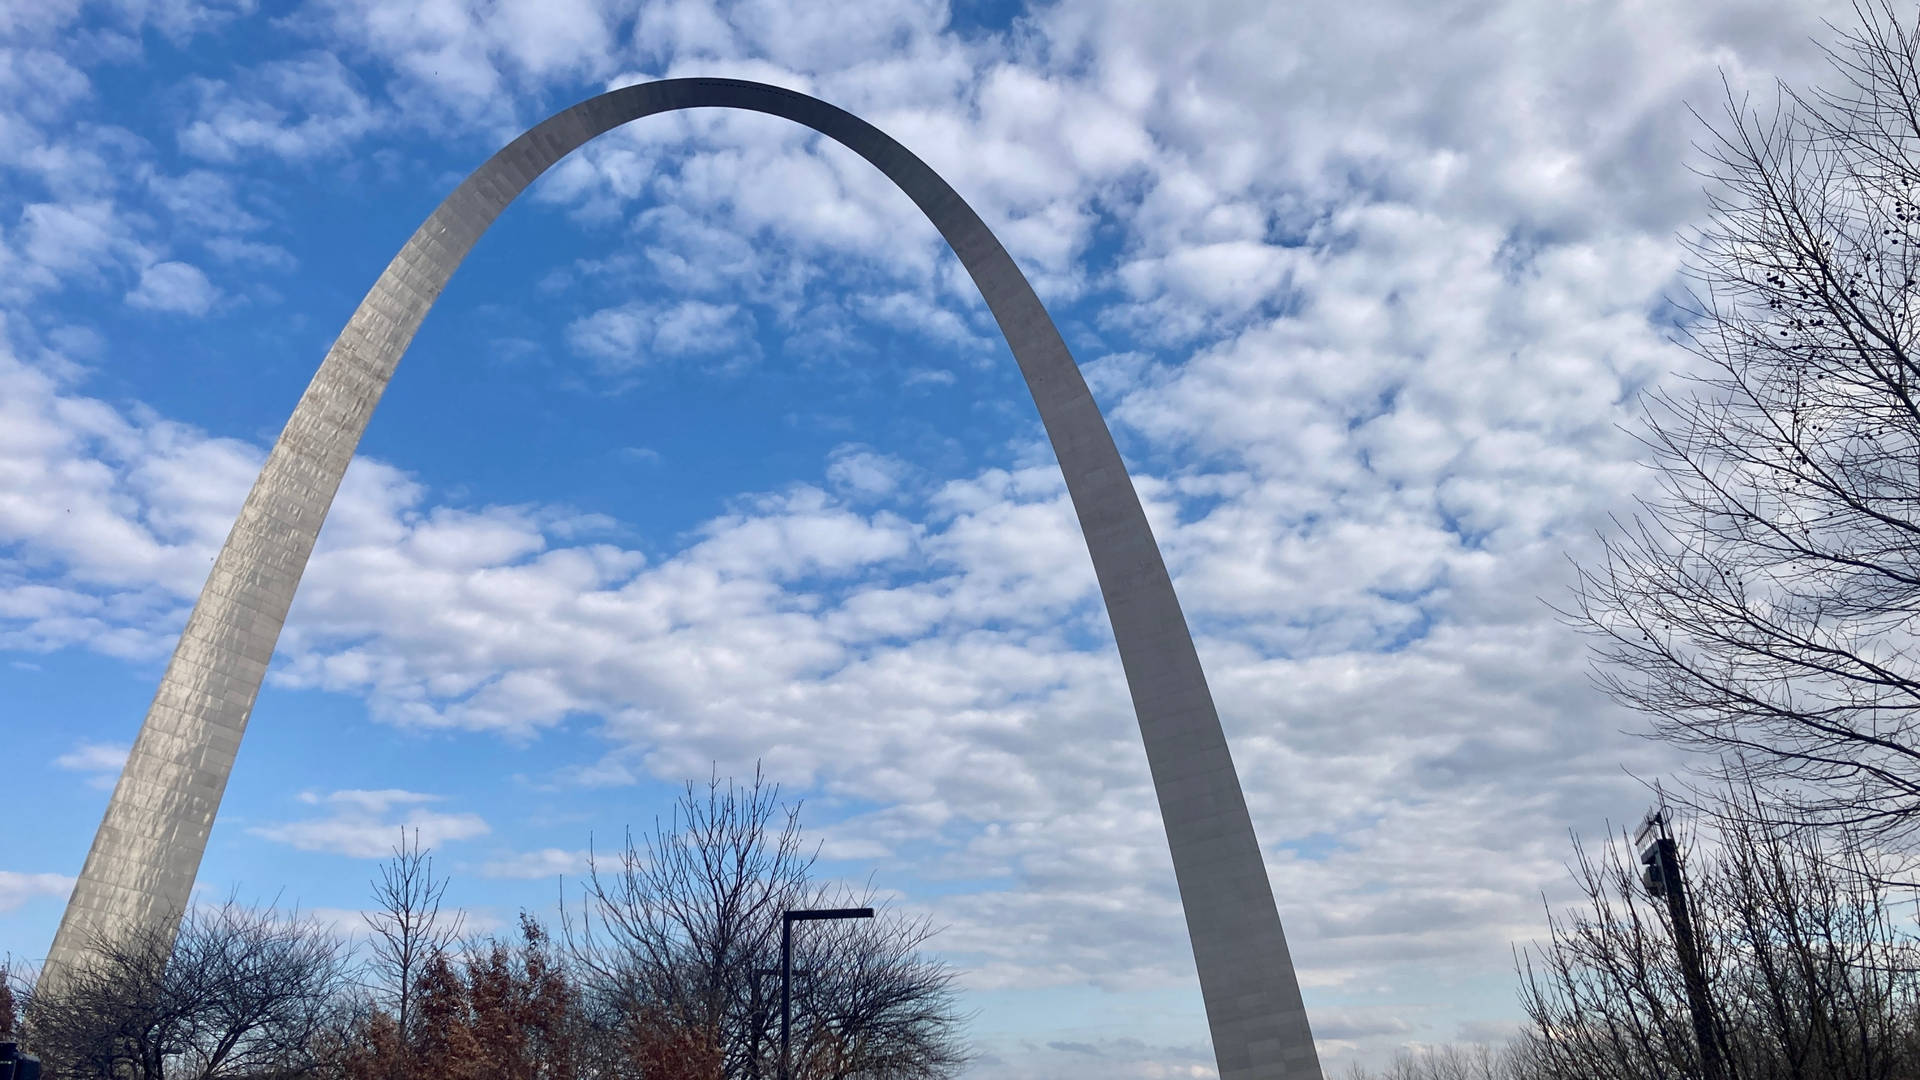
(140, 870)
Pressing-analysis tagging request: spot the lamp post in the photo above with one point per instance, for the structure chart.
(1663, 881)
(787, 919)
(754, 1027)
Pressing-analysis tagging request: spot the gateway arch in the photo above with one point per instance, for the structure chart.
(140, 870)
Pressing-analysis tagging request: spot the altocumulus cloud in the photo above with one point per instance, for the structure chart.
(1364, 339)
(174, 286)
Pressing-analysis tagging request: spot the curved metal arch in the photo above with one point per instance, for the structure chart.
(140, 870)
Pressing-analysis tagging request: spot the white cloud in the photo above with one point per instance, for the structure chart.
(464, 59)
(692, 327)
(30, 21)
(368, 802)
(75, 470)
(530, 865)
(297, 109)
(176, 287)
(781, 632)
(180, 20)
(105, 760)
(230, 250)
(17, 889)
(71, 239)
(203, 201)
(1391, 321)
(631, 336)
(40, 82)
(364, 824)
(865, 474)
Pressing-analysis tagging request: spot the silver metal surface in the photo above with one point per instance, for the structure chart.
(140, 870)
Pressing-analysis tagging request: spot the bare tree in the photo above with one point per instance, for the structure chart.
(1810, 978)
(674, 932)
(239, 993)
(1767, 601)
(408, 934)
(875, 1005)
(1605, 1000)
(683, 920)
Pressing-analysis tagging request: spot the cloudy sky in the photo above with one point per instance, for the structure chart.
(710, 455)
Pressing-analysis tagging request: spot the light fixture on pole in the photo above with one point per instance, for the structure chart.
(787, 919)
(1663, 881)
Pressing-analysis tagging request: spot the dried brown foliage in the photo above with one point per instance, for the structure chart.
(500, 1008)
(408, 934)
(657, 1045)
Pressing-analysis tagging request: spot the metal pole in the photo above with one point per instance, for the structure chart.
(786, 987)
(753, 1029)
(1666, 853)
(1704, 1029)
(787, 919)
(758, 974)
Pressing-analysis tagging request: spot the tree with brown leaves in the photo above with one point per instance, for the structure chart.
(409, 933)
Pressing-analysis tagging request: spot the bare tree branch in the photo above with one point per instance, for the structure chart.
(408, 934)
(673, 930)
(1766, 601)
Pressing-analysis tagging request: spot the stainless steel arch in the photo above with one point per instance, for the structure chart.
(140, 870)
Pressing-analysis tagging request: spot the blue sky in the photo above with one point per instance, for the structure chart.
(709, 455)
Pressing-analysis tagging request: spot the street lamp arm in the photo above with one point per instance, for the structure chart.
(828, 913)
